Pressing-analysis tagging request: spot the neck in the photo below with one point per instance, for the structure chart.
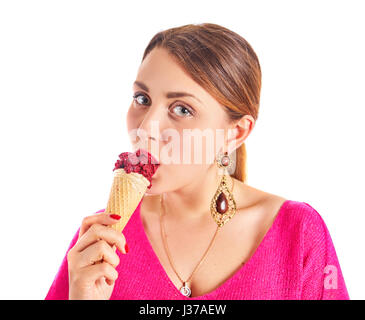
(192, 202)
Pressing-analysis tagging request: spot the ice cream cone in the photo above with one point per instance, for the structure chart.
(132, 177)
(126, 193)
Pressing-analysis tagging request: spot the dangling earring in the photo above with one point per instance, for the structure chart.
(223, 206)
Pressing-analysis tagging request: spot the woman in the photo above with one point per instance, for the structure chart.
(198, 77)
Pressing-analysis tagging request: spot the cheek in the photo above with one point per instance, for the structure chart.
(180, 175)
(171, 177)
(200, 151)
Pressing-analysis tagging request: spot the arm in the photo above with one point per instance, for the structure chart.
(322, 275)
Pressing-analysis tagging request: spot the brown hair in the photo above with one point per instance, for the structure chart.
(223, 63)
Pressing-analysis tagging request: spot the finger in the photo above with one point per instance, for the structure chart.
(109, 282)
(97, 232)
(104, 269)
(100, 218)
(99, 251)
(103, 280)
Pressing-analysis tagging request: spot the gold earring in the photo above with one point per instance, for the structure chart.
(223, 205)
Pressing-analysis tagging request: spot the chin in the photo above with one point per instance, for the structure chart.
(151, 191)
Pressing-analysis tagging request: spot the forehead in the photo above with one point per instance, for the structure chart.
(161, 73)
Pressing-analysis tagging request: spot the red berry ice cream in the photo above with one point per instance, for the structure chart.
(133, 173)
(140, 161)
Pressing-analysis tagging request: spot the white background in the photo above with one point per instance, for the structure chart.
(66, 74)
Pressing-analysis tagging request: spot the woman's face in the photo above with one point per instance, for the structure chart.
(180, 131)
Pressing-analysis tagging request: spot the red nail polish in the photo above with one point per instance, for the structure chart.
(115, 216)
(126, 248)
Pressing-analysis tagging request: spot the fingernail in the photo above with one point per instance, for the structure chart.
(115, 216)
(126, 248)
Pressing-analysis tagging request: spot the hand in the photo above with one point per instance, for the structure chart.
(93, 259)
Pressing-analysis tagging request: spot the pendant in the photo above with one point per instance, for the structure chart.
(223, 206)
(185, 290)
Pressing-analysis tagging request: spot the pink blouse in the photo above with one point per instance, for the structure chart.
(296, 260)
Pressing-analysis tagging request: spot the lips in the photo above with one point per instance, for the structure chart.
(148, 155)
(141, 162)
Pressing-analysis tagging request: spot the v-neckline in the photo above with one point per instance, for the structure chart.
(226, 283)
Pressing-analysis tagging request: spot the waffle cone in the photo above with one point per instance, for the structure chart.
(126, 193)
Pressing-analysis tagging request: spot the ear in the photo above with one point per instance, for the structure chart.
(238, 132)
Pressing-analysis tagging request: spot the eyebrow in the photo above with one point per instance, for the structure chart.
(176, 94)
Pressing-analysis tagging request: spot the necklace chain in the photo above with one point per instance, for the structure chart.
(163, 235)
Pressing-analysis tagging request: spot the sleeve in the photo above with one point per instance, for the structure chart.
(59, 287)
(322, 275)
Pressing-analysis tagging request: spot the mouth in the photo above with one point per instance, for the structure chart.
(152, 157)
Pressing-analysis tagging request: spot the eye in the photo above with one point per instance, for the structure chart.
(137, 98)
(182, 111)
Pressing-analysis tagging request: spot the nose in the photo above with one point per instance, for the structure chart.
(151, 123)
(148, 131)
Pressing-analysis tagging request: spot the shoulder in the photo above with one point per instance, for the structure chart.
(304, 217)
(289, 216)
(302, 211)
(302, 228)
(305, 214)
(295, 210)
(304, 224)
(292, 214)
